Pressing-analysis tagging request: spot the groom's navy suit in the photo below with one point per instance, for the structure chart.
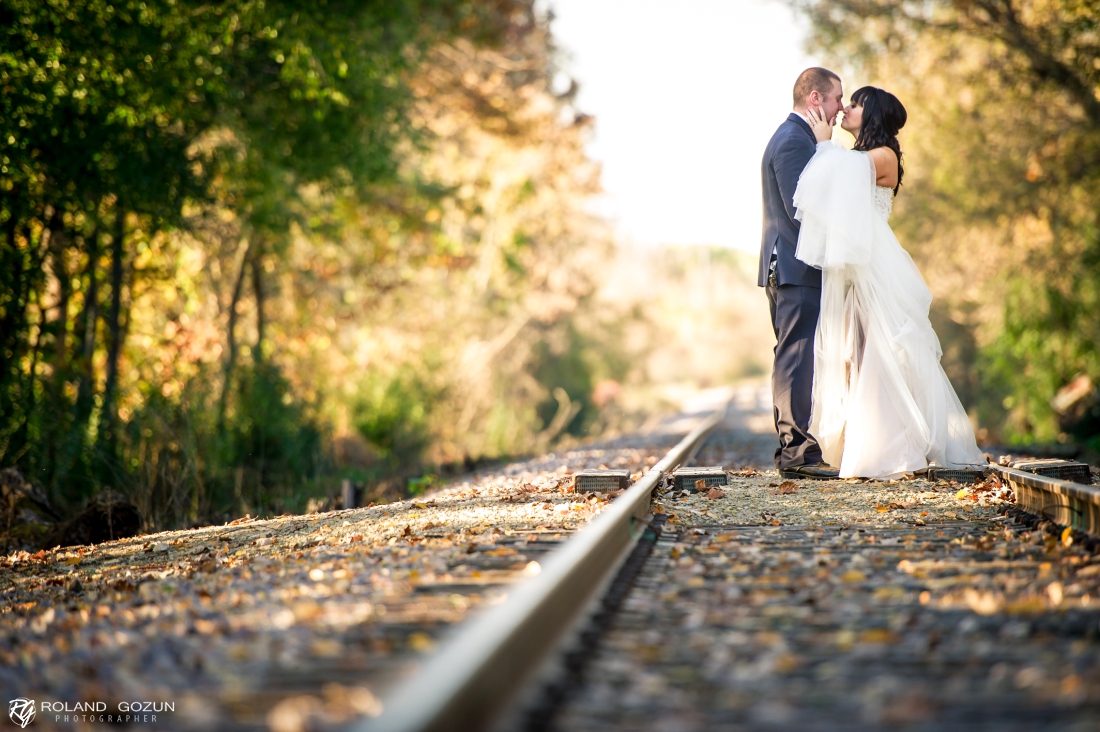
(794, 292)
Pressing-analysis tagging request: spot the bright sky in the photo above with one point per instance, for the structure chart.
(686, 94)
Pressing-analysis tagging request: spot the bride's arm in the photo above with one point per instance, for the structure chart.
(886, 166)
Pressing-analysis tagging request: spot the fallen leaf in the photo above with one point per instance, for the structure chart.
(421, 642)
(714, 494)
(1026, 606)
(787, 662)
(878, 635)
(701, 484)
(983, 603)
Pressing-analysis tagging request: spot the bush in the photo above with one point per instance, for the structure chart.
(392, 413)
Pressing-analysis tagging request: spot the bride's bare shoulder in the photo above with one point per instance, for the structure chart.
(885, 159)
(886, 166)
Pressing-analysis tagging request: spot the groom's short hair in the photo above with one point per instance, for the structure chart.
(811, 80)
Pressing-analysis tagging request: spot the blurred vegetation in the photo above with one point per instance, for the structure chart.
(999, 203)
(253, 247)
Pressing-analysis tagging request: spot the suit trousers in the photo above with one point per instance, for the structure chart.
(794, 310)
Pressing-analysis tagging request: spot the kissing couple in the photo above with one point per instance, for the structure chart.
(857, 386)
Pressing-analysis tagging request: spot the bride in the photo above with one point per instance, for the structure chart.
(882, 404)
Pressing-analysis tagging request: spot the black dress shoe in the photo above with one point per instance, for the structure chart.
(813, 471)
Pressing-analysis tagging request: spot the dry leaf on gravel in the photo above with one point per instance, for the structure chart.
(786, 488)
(714, 494)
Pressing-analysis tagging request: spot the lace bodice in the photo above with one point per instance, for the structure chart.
(884, 201)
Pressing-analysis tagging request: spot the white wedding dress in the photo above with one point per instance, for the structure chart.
(882, 404)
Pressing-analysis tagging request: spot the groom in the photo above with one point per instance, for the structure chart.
(794, 288)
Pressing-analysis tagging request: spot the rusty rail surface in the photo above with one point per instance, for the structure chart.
(1069, 504)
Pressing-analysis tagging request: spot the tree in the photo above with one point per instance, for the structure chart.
(1003, 143)
(115, 118)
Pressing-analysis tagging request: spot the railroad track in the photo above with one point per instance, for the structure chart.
(987, 623)
(303, 622)
(472, 679)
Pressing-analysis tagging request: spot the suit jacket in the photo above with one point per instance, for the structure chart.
(787, 154)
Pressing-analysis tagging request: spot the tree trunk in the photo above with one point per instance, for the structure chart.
(13, 332)
(59, 328)
(15, 307)
(89, 316)
(108, 423)
(258, 289)
(231, 337)
(20, 443)
(60, 271)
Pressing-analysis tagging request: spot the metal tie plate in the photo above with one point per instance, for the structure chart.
(959, 475)
(601, 481)
(1070, 470)
(685, 478)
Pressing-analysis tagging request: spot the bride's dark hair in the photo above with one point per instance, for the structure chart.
(883, 118)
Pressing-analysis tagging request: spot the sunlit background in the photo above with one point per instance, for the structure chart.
(685, 97)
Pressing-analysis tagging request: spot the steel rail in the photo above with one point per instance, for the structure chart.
(476, 673)
(1061, 501)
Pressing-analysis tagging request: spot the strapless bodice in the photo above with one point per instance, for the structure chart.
(884, 201)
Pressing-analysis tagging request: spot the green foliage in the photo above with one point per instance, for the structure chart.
(417, 486)
(392, 414)
(270, 431)
(267, 459)
(562, 359)
(1050, 335)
